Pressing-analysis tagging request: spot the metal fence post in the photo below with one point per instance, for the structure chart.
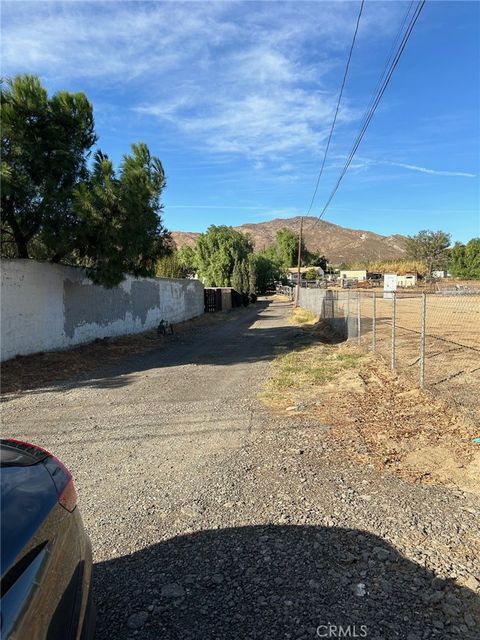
(394, 316)
(359, 325)
(374, 323)
(422, 340)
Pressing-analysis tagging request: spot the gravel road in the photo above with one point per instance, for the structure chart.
(212, 519)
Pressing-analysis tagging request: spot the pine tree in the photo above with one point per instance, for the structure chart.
(252, 274)
(237, 279)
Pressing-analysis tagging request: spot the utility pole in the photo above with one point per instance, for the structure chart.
(299, 260)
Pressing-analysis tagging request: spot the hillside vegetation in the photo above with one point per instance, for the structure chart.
(339, 244)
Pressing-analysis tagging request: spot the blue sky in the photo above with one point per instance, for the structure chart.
(237, 98)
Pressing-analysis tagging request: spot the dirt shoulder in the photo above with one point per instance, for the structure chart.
(376, 417)
(43, 369)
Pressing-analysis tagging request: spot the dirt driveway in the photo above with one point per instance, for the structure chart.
(210, 518)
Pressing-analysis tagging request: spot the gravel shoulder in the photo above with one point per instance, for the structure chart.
(212, 517)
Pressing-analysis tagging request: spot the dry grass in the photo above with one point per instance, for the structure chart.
(452, 343)
(392, 266)
(377, 418)
(454, 318)
(302, 316)
(306, 368)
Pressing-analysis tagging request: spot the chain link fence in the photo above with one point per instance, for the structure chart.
(286, 290)
(433, 338)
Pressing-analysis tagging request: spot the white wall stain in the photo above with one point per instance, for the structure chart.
(46, 307)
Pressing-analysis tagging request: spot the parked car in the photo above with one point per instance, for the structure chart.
(46, 557)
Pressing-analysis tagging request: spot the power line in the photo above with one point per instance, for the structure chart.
(375, 101)
(374, 104)
(337, 108)
(328, 143)
(390, 56)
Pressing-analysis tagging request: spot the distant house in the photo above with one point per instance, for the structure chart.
(440, 274)
(353, 274)
(292, 273)
(407, 280)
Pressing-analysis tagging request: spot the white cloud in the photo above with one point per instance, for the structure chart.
(117, 41)
(233, 77)
(434, 172)
(365, 163)
(260, 123)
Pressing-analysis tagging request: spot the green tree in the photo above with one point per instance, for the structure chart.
(465, 259)
(120, 228)
(217, 252)
(45, 146)
(252, 273)
(472, 256)
(237, 277)
(284, 251)
(266, 271)
(177, 264)
(317, 260)
(457, 263)
(186, 259)
(168, 267)
(287, 247)
(430, 247)
(53, 208)
(311, 274)
(245, 276)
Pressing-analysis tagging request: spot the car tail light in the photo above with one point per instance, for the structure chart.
(68, 497)
(61, 476)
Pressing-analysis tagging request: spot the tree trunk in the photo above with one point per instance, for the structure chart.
(57, 257)
(20, 240)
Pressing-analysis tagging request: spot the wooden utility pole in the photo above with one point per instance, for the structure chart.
(299, 261)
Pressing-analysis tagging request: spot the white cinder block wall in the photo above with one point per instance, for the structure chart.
(46, 306)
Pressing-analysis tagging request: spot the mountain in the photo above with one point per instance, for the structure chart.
(338, 244)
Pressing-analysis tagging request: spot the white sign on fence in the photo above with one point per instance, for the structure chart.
(389, 284)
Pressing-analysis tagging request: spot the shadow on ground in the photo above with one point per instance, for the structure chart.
(272, 582)
(235, 340)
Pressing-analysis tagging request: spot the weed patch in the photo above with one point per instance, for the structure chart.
(306, 368)
(302, 316)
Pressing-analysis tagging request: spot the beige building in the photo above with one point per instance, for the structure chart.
(407, 280)
(355, 274)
